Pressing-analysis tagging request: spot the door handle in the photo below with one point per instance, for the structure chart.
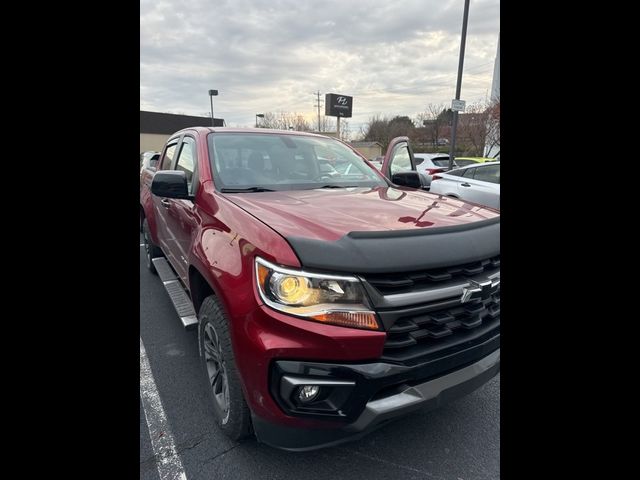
(165, 203)
(465, 185)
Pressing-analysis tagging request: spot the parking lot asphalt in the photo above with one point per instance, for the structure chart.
(458, 441)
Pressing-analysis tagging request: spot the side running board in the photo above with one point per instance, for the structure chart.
(178, 296)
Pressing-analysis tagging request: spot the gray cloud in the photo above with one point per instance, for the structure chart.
(393, 57)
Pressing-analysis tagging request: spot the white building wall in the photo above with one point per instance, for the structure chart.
(152, 141)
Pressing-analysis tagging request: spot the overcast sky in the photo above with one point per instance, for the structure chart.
(394, 58)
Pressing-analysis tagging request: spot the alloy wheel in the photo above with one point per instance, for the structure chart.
(216, 370)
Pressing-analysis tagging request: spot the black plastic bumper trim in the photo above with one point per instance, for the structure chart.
(426, 395)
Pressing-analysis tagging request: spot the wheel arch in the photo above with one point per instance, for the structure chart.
(199, 288)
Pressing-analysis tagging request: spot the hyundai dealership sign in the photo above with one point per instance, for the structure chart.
(337, 105)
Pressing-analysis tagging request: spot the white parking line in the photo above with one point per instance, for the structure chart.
(142, 244)
(167, 458)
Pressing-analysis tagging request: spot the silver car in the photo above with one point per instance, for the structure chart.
(478, 183)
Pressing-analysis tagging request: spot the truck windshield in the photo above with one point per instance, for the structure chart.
(253, 162)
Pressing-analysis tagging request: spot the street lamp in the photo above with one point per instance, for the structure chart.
(258, 115)
(212, 93)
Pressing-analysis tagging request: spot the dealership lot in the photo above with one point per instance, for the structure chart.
(460, 440)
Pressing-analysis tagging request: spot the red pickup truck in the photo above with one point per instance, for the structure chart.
(326, 303)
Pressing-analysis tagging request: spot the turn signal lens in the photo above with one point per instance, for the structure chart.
(349, 319)
(262, 274)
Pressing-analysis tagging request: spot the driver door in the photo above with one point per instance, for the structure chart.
(399, 158)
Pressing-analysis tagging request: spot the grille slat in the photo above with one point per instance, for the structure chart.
(399, 343)
(440, 318)
(427, 330)
(436, 332)
(394, 283)
(403, 327)
(440, 327)
(472, 322)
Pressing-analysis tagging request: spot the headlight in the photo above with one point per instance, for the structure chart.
(332, 299)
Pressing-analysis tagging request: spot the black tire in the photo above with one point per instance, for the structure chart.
(235, 420)
(151, 250)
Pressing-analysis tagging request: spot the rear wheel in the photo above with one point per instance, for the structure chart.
(219, 368)
(150, 249)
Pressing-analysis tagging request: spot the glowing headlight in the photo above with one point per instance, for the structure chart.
(332, 299)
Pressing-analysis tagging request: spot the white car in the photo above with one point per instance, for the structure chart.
(479, 183)
(428, 164)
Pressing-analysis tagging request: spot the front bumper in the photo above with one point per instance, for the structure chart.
(398, 397)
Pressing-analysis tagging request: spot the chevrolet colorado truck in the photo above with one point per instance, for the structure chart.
(325, 305)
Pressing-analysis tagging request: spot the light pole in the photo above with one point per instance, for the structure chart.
(212, 93)
(454, 126)
(258, 115)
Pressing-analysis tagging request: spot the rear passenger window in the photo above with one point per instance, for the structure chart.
(457, 173)
(490, 173)
(187, 160)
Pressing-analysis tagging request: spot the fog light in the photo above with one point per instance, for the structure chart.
(308, 393)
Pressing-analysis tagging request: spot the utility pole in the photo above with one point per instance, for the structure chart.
(463, 39)
(318, 105)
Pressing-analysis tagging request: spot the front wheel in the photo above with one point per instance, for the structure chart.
(219, 368)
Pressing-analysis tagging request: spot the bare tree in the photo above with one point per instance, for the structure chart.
(285, 121)
(327, 124)
(377, 130)
(492, 141)
(384, 129)
(345, 130)
(436, 119)
(472, 130)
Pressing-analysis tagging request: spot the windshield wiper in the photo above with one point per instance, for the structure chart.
(248, 189)
(337, 186)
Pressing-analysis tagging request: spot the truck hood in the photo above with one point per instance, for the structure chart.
(329, 214)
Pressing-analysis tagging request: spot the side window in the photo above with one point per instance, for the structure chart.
(457, 173)
(168, 156)
(464, 163)
(400, 161)
(187, 160)
(489, 173)
(469, 172)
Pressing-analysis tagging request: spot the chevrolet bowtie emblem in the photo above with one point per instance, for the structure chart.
(475, 290)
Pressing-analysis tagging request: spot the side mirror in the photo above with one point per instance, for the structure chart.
(170, 184)
(408, 179)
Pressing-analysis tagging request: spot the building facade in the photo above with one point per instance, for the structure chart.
(156, 127)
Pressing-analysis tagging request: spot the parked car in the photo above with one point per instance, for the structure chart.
(464, 161)
(148, 160)
(431, 163)
(323, 307)
(477, 183)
